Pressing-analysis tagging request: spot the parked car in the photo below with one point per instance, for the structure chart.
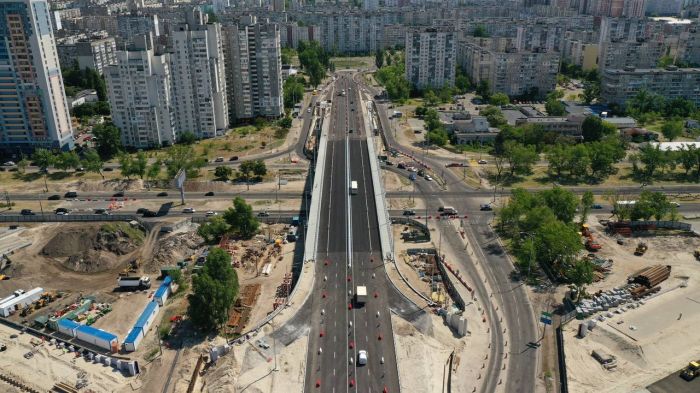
(162, 194)
(54, 197)
(211, 213)
(486, 207)
(483, 162)
(61, 211)
(27, 212)
(188, 210)
(210, 193)
(234, 158)
(108, 169)
(119, 194)
(409, 213)
(596, 206)
(219, 159)
(102, 211)
(428, 178)
(70, 194)
(401, 165)
(263, 214)
(9, 163)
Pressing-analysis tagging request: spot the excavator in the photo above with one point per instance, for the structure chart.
(133, 267)
(691, 371)
(641, 249)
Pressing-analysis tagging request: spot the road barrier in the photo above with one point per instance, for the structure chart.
(561, 358)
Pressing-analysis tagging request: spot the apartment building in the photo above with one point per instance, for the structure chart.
(689, 45)
(140, 96)
(351, 33)
(580, 48)
(198, 77)
(136, 25)
(431, 56)
(619, 85)
(613, 8)
(292, 34)
(252, 53)
(33, 108)
(515, 73)
(95, 53)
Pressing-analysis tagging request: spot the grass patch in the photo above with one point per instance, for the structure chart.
(132, 233)
(151, 355)
(352, 62)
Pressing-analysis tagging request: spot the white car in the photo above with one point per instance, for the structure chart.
(412, 169)
(428, 178)
(483, 162)
(211, 213)
(188, 210)
(675, 204)
(9, 163)
(361, 357)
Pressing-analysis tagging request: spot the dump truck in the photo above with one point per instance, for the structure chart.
(361, 294)
(641, 249)
(135, 282)
(691, 371)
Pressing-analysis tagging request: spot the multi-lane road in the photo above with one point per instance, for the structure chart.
(349, 255)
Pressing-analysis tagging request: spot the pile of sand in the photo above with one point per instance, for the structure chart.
(90, 248)
(174, 248)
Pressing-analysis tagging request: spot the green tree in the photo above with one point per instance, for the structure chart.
(285, 122)
(108, 141)
(379, 58)
(214, 291)
(587, 200)
(430, 98)
(213, 229)
(664, 61)
(22, 165)
(126, 165)
(591, 92)
(520, 158)
(594, 129)
(579, 275)
(462, 82)
(652, 158)
(154, 170)
(187, 138)
(483, 89)
(554, 107)
(182, 157)
(293, 91)
(67, 160)
(259, 168)
(562, 202)
(499, 99)
(92, 162)
(140, 165)
(480, 31)
(287, 55)
(672, 129)
(494, 116)
(241, 219)
(223, 172)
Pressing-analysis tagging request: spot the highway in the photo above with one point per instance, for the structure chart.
(349, 255)
(518, 316)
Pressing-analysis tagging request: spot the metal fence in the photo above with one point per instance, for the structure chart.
(409, 221)
(69, 218)
(561, 358)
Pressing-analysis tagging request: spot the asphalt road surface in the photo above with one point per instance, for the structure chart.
(349, 255)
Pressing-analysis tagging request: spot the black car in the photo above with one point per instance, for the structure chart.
(150, 213)
(119, 194)
(409, 213)
(54, 197)
(100, 211)
(162, 194)
(263, 214)
(27, 212)
(141, 210)
(70, 194)
(234, 158)
(486, 207)
(61, 210)
(596, 206)
(210, 193)
(108, 169)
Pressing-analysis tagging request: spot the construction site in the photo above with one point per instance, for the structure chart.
(629, 328)
(94, 305)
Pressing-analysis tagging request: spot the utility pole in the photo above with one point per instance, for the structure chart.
(7, 199)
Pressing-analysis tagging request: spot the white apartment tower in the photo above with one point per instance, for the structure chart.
(254, 69)
(34, 109)
(431, 54)
(140, 91)
(198, 78)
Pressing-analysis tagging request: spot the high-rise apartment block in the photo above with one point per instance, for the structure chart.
(506, 70)
(198, 77)
(33, 106)
(291, 34)
(254, 69)
(431, 56)
(140, 96)
(613, 8)
(618, 86)
(95, 53)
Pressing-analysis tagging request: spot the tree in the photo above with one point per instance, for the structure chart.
(591, 92)
(126, 164)
(22, 165)
(579, 275)
(379, 58)
(462, 82)
(259, 168)
(182, 157)
(213, 229)
(154, 169)
(480, 31)
(554, 107)
(652, 157)
(316, 73)
(494, 116)
(499, 99)
(223, 172)
(287, 54)
(430, 98)
(672, 129)
(43, 159)
(483, 89)
(285, 122)
(587, 200)
(562, 202)
(214, 290)
(140, 164)
(680, 107)
(92, 162)
(108, 138)
(67, 160)
(187, 138)
(520, 157)
(604, 154)
(594, 129)
(241, 219)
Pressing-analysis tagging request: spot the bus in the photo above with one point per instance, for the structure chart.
(353, 187)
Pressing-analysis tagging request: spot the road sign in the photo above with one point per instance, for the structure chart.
(546, 318)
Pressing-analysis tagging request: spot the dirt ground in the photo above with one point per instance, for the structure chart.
(650, 341)
(50, 365)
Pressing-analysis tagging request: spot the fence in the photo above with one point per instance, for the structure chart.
(69, 218)
(561, 358)
(409, 221)
(449, 286)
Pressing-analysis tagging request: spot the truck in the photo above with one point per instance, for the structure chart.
(353, 187)
(134, 282)
(691, 371)
(361, 294)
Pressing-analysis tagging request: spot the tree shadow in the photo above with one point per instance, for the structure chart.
(27, 177)
(57, 176)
